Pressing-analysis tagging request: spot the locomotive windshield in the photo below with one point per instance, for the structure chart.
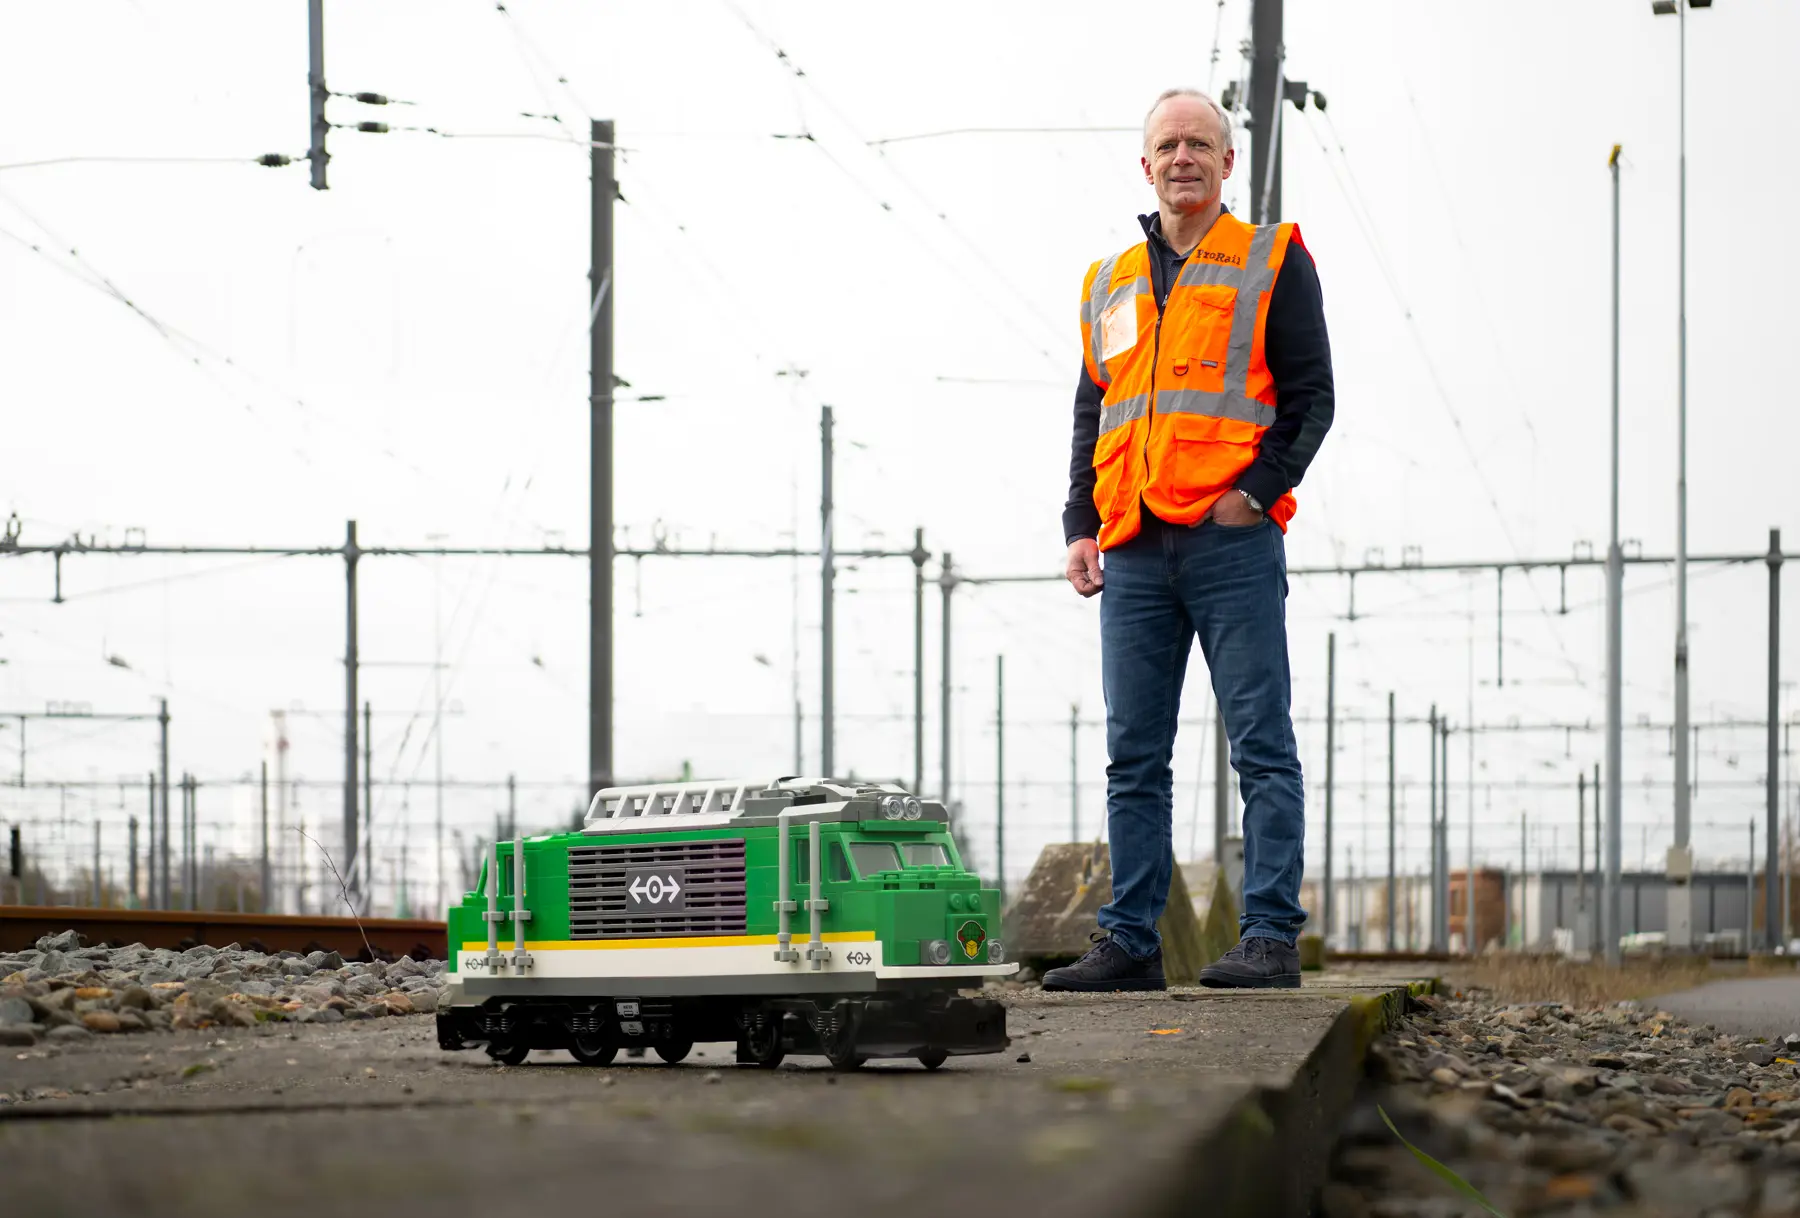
(925, 854)
(871, 857)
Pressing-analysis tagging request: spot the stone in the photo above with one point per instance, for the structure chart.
(397, 1003)
(100, 1021)
(1444, 1077)
(1758, 1055)
(15, 1011)
(320, 960)
(54, 963)
(66, 941)
(130, 1020)
(227, 1012)
(1623, 1122)
(68, 1032)
(425, 1001)
(1607, 1061)
(1739, 1097)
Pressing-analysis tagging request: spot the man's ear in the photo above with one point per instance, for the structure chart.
(1230, 160)
(1148, 176)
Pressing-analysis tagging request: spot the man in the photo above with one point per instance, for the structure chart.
(1205, 391)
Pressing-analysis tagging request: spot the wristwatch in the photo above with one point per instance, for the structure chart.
(1251, 500)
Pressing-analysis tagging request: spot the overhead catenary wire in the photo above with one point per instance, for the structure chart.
(1354, 196)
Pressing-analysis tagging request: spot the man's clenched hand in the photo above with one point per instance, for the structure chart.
(1083, 571)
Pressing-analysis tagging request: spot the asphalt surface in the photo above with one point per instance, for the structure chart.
(1746, 1006)
(310, 1119)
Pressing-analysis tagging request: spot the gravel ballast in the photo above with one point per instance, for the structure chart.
(62, 990)
(1618, 1109)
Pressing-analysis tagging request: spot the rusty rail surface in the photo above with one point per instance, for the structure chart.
(22, 925)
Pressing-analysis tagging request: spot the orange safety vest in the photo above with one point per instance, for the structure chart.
(1188, 393)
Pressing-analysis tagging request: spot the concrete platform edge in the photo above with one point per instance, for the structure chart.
(1270, 1152)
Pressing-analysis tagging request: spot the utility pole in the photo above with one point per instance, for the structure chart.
(315, 81)
(1599, 879)
(131, 894)
(163, 899)
(1330, 766)
(352, 553)
(1524, 870)
(1608, 921)
(1681, 856)
(1772, 864)
(264, 791)
(1437, 848)
(919, 557)
(600, 459)
(1074, 787)
(947, 582)
(99, 895)
(1581, 908)
(512, 806)
(368, 809)
(1000, 776)
(1749, 883)
(1390, 826)
(827, 602)
(190, 827)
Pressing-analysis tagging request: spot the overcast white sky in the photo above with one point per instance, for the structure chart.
(407, 349)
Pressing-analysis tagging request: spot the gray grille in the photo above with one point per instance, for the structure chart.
(714, 896)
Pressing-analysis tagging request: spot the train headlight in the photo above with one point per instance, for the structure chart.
(996, 953)
(893, 807)
(936, 951)
(913, 807)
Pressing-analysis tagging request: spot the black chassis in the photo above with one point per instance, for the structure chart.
(879, 1025)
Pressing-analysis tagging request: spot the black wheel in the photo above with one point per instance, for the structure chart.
(841, 1052)
(931, 1059)
(763, 1047)
(507, 1053)
(673, 1051)
(589, 1051)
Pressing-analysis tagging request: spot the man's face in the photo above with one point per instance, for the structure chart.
(1185, 157)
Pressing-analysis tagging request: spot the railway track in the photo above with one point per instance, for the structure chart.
(22, 925)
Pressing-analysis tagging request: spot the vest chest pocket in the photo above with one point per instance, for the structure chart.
(1196, 339)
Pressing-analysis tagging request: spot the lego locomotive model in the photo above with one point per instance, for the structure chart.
(800, 916)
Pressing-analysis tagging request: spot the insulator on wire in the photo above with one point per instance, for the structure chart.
(274, 159)
(370, 99)
(373, 128)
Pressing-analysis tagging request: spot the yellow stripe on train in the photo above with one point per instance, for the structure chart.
(603, 945)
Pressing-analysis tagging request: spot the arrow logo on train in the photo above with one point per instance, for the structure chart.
(654, 889)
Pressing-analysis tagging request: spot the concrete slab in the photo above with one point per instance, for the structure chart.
(1126, 1104)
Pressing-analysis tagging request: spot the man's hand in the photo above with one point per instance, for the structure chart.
(1083, 571)
(1233, 512)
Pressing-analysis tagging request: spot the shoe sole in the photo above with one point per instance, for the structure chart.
(1281, 981)
(1106, 987)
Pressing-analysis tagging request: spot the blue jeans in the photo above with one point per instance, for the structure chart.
(1229, 587)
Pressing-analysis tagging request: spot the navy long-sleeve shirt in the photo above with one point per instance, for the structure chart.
(1298, 353)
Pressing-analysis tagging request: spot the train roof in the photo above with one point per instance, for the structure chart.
(679, 806)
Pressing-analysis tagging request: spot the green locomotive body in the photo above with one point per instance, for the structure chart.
(798, 916)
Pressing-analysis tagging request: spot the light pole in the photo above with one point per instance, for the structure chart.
(1681, 855)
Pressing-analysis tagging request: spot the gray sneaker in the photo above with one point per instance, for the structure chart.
(1255, 964)
(1107, 967)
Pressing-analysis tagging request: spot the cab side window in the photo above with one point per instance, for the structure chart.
(837, 865)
